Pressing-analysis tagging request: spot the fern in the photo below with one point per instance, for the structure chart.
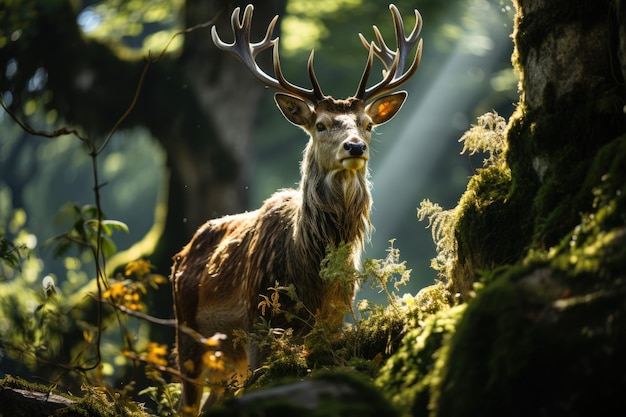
(442, 223)
(387, 271)
(337, 269)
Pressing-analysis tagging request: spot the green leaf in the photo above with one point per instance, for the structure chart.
(116, 225)
(108, 226)
(108, 247)
(90, 210)
(8, 253)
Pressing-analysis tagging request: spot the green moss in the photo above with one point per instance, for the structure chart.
(545, 335)
(483, 205)
(374, 336)
(407, 376)
(542, 337)
(280, 365)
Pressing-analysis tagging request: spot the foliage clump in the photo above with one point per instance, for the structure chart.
(373, 334)
(76, 331)
(488, 136)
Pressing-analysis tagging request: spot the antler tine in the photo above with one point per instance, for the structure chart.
(247, 52)
(313, 95)
(393, 61)
(317, 90)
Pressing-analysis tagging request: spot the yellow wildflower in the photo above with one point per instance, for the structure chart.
(156, 354)
(139, 268)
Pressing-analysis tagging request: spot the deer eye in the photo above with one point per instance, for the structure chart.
(320, 127)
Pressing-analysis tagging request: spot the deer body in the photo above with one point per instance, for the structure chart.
(220, 275)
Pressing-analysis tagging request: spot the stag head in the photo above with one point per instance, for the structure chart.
(340, 129)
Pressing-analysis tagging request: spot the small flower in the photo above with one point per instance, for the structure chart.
(139, 268)
(126, 293)
(156, 354)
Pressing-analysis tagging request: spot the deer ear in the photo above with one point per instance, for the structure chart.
(384, 108)
(295, 110)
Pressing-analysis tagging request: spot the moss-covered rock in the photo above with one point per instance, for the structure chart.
(326, 394)
(546, 335)
(543, 339)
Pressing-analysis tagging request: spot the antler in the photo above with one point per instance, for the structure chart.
(246, 51)
(393, 61)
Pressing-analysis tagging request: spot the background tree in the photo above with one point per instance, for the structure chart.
(184, 102)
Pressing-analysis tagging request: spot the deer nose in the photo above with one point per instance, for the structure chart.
(355, 148)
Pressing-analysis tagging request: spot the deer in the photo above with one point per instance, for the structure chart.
(232, 261)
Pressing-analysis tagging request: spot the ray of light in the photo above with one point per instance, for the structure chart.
(408, 157)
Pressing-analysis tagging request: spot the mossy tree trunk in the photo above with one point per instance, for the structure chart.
(570, 56)
(544, 335)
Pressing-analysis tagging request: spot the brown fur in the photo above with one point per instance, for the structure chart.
(219, 276)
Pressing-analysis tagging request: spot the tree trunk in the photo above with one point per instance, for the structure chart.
(545, 335)
(570, 58)
(208, 168)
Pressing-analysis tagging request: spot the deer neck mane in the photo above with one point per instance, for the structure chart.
(334, 207)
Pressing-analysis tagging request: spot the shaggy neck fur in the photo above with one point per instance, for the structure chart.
(335, 207)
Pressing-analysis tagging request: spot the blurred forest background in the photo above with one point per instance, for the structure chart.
(203, 139)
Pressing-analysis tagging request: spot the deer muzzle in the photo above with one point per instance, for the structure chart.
(355, 148)
(356, 155)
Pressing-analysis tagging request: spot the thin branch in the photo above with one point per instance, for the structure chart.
(44, 133)
(130, 108)
(140, 315)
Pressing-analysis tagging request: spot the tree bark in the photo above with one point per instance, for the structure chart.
(21, 402)
(572, 98)
(209, 168)
(570, 59)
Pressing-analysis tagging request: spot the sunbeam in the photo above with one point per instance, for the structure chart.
(408, 157)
